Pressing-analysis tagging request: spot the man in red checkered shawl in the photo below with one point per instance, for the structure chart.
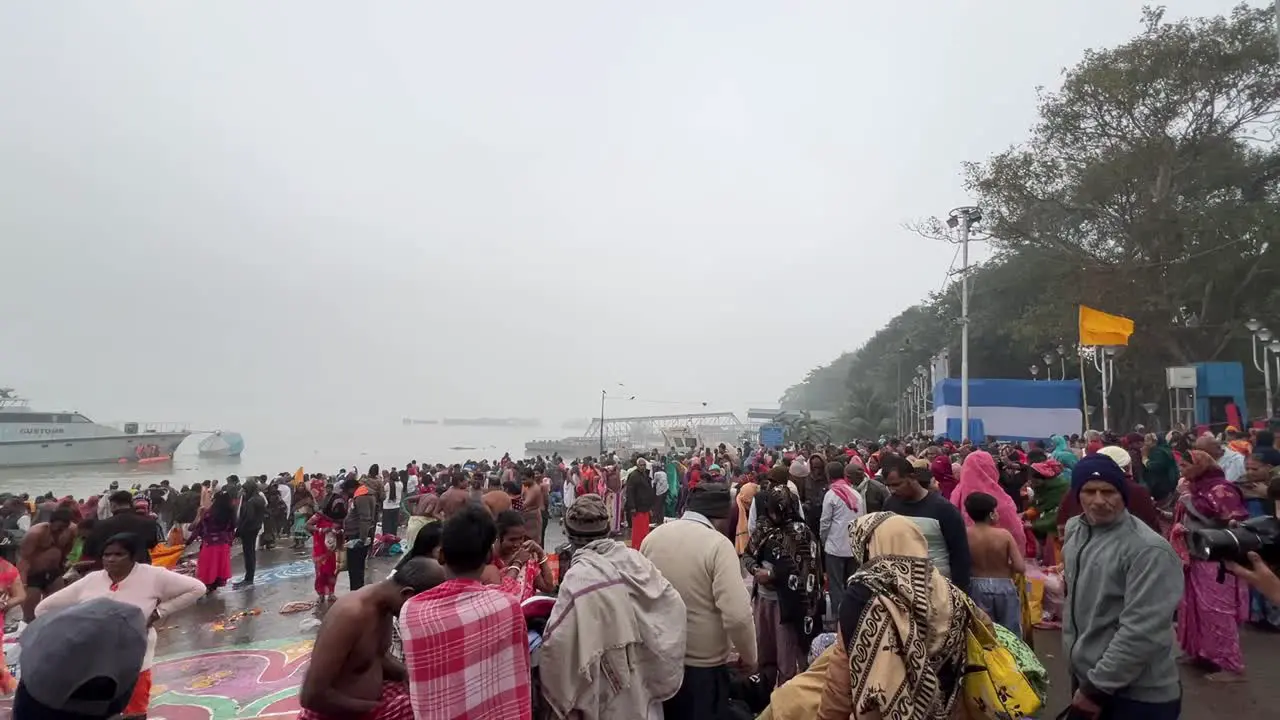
(466, 648)
(351, 674)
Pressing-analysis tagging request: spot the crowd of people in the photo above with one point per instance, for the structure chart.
(735, 582)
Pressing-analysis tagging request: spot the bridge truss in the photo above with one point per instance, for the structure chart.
(647, 430)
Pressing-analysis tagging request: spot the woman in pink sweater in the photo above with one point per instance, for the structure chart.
(157, 591)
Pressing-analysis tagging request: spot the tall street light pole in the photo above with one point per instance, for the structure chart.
(902, 418)
(1261, 335)
(604, 394)
(1275, 350)
(964, 218)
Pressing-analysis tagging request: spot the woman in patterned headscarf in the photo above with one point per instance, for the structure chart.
(902, 629)
(783, 557)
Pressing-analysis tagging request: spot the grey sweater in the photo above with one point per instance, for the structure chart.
(1123, 585)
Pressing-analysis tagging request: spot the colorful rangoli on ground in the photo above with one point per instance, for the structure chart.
(259, 680)
(247, 681)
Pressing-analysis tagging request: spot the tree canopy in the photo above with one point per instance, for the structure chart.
(1148, 189)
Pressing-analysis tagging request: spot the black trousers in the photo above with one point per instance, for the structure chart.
(390, 521)
(356, 558)
(249, 541)
(838, 571)
(703, 696)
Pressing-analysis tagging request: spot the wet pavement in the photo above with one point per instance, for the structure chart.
(235, 656)
(1200, 698)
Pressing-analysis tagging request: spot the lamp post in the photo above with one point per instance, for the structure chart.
(1035, 372)
(1274, 347)
(915, 404)
(1151, 414)
(1104, 361)
(604, 394)
(964, 218)
(1062, 359)
(925, 390)
(1048, 366)
(1262, 336)
(911, 407)
(902, 407)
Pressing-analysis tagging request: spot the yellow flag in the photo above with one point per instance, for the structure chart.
(297, 477)
(1099, 328)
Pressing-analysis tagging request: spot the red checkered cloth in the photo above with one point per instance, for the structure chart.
(392, 705)
(467, 652)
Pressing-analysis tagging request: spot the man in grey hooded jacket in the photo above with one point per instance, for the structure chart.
(1123, 585)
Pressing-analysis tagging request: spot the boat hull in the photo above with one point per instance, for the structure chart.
(84, 451)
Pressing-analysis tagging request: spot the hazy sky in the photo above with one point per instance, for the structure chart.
(225, 210)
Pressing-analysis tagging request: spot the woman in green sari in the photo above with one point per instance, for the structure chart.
(1160, 473)
(1049, 484)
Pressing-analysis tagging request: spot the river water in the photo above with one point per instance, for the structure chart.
(270, 450)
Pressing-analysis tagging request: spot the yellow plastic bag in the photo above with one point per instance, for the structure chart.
(1035, 596)
(993, 686)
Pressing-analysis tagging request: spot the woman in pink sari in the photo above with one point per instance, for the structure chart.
(979, 474)
(1211, 611)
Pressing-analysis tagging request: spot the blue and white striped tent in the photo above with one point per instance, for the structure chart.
(1013, 410)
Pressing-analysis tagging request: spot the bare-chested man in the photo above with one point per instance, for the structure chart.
(996, 558)
(351, 673)
(453, 499)
(42, 558)
(496, 499)
(425, 503)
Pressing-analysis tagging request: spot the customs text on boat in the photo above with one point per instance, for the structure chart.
(33, 438)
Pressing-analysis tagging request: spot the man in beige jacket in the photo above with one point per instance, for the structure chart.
(698, 559)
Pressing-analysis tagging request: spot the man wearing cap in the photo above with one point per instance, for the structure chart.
(1116, 567)
(1141, 505)
(81, 662)
(701, 563)
(616, 616)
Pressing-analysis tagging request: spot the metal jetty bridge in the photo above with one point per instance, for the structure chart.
(646, 428)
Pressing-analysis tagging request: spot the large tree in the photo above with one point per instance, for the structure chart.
(1149, 188)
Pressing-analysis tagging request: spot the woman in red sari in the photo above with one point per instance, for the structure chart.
(318, 488)
(12, 594)
(326, 538)
(519, 565)
(215, 528)
(1212, 610)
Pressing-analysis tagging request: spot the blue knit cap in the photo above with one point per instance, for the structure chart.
(1099, 467)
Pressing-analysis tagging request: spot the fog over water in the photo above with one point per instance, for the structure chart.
(304, 221)
(392, 445)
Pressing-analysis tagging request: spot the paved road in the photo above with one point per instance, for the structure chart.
(1201, 699)
(210, 669)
